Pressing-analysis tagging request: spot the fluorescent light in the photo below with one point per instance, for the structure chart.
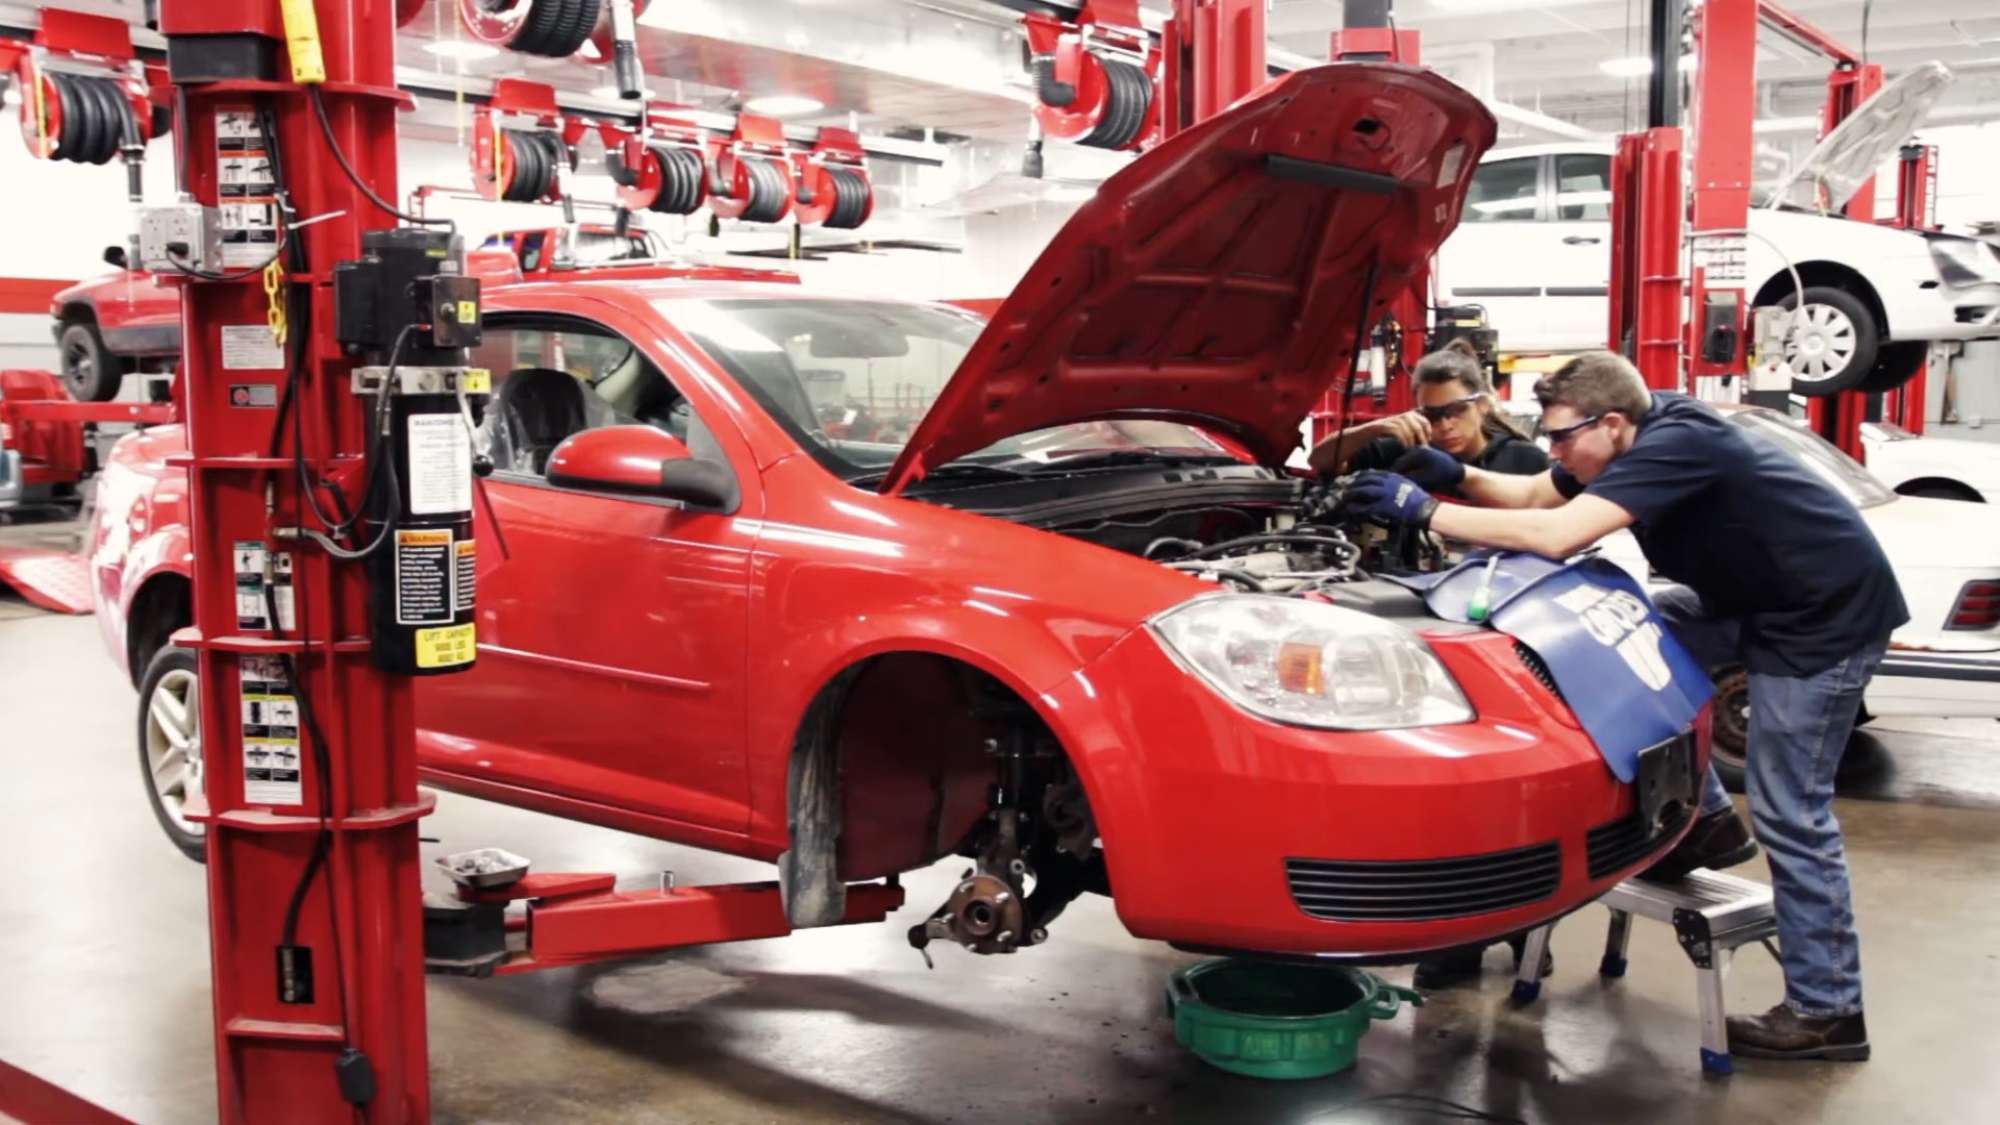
(1638, 66)
(784, 105)
(463, 50)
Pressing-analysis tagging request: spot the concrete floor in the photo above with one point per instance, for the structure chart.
(104, 977)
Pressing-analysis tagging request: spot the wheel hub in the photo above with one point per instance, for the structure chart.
(173, 745)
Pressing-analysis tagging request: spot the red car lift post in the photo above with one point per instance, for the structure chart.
(360, 915)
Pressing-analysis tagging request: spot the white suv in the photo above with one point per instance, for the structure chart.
(1534, 247)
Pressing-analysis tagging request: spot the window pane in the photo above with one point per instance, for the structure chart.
(1502, 191)
(1583, 187)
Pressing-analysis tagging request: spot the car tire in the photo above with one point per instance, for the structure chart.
(170, 750)
(1896, 363)
(1942, 490)
(92, 371)
(1838, 345)
(1729, 731)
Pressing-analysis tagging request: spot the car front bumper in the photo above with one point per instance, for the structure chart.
(1222, 830)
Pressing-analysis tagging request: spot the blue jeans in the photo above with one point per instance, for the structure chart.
(1799, 727)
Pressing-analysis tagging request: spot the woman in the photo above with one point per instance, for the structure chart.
(1456, 412)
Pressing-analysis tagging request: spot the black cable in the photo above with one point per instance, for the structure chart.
(1354, 362)
(1867, 9)
(326, 130)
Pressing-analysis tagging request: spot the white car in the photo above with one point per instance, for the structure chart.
(1939, 468)
(1534, 248)
(1945, 662)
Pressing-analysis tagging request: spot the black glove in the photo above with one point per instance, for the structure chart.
(1431, 467)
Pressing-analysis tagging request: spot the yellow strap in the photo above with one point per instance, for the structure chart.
(274, 287)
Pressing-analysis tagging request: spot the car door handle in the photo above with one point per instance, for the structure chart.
(1581, 240)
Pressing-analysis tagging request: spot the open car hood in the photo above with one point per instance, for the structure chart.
(1848, 156)
(1221, 278)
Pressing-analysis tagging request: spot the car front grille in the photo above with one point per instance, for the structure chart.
(1368, 890)
(1622, 842)
(1537, 668)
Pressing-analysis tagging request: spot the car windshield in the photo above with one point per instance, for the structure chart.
(592, 247)
(851, 378)
(1824, 459)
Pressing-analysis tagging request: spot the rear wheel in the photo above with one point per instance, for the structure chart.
(1729, 735)
(1835, 347)
(1895, 364)
(170, 745)
(92, 371)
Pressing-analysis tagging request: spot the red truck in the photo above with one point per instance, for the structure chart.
(109, 326)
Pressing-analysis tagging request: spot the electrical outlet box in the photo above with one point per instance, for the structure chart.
(176, 236)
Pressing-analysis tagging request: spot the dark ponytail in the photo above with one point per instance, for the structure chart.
(1458, 362)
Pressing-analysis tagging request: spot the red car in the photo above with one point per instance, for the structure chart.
(851, 585)
(126, 321)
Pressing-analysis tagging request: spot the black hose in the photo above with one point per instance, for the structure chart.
(1267, 539)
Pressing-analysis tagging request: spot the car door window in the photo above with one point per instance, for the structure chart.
(531, 251)
(554, 379)
(1504, 191)
(1583, 187)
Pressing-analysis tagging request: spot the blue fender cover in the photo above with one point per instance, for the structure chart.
(1577, 617)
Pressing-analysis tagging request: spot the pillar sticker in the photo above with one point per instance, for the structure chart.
(246, 189)
(270, 720)
(440, 465)
(423, 576)
(252, 610)
(446, 646)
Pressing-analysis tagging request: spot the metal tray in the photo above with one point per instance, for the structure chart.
(483, 868)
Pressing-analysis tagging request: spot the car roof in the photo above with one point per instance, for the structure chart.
(643, 291)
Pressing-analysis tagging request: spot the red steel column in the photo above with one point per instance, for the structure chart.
(1725, 96)
(361, 916)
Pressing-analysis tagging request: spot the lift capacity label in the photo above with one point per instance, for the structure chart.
(424, 575)
(252, 610)
(447, 646)
(440, 465)
(270, 734)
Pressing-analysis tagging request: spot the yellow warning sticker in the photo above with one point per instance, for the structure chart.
(445, 646)
(476, 381)
(468, 312)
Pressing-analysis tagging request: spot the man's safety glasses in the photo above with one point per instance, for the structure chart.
(1558, 436)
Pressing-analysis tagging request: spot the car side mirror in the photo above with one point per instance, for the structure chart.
(637, 460)
(115, 255)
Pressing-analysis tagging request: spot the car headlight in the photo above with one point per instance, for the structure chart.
(1965, 261)
(1311, 664)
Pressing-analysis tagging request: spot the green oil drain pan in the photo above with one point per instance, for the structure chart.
(1271, 1019)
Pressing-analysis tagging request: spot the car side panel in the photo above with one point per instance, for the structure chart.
(844, 574)
(140, 527)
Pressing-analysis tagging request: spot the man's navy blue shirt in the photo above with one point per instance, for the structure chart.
(1755, 533)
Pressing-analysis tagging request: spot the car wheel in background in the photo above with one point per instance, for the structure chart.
(1729, 735)
(91, 370)
(1836, 347)
(1896, 363)
(170, 744)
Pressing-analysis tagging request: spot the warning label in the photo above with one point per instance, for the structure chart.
(252, 609)
(1723, 259)
(270, 723)
(423, 576)
(440, 465)
(466, 573)
(249, 347)
(445, 647)
(247, 192)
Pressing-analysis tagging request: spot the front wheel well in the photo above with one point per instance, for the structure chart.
(77, 312)
(1831, 274)
(164, 604)
(895, 766)
(1940, 488)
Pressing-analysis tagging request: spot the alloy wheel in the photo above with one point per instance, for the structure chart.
(173, 745)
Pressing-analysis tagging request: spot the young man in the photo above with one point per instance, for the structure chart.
(1779, 573)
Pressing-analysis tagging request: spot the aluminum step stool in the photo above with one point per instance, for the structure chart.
(1711, 913)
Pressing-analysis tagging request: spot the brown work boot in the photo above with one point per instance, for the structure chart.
(1716, 841)
(1782, 1033)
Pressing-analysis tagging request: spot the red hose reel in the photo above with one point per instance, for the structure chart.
(833, 188)
(551, 28)
(663, 168)
(751, 178)
(81, 99)
(522, 162)
(1093, 78)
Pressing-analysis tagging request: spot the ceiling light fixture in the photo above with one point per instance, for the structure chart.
(462, 50)
(1638, 66)
(784, 105)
